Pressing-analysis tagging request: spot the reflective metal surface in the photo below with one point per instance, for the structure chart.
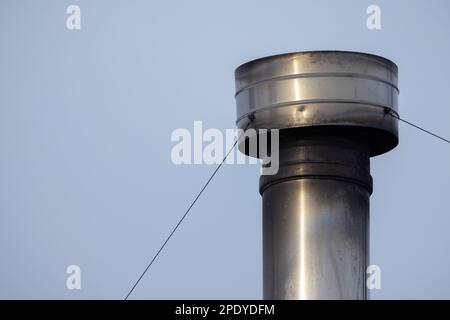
(331, 109)
(323, 88)
(313, 248)
(315, 221)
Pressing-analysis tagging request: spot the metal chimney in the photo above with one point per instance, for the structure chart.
(332, 111)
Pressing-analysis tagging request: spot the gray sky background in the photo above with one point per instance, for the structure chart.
(85, 121)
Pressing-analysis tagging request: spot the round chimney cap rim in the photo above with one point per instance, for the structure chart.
(298, 53)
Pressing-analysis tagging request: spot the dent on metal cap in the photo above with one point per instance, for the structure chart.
(322, 91)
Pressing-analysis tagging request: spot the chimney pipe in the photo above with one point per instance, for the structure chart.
(331, 109)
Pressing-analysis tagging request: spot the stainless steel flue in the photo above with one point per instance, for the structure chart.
(332, 111)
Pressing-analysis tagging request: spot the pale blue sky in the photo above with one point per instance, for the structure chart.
(85, 123)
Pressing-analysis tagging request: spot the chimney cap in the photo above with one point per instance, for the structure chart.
(321, 90)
